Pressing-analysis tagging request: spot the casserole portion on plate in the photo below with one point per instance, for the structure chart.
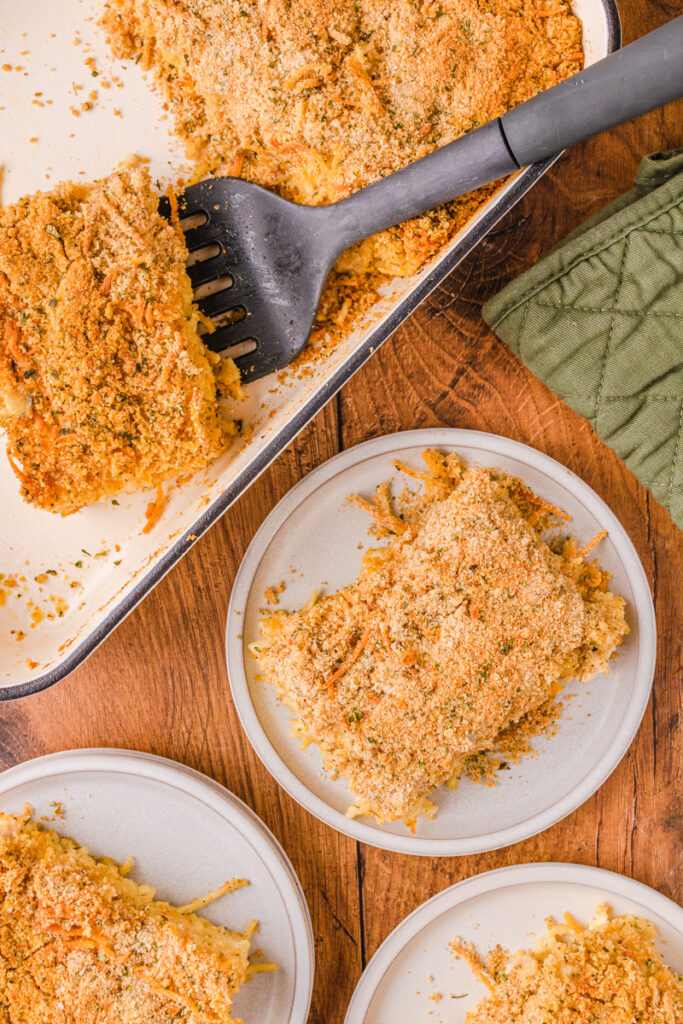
(464, 623)
(82, 943)
(609, 972)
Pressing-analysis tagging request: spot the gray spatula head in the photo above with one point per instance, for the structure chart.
(258, 264)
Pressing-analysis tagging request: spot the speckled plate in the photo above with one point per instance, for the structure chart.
(186, 835)
(505, 907)
(313, 540)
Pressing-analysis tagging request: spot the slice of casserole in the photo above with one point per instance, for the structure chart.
(465, 622)
(610, 972)
(105, 384)
(82, 944)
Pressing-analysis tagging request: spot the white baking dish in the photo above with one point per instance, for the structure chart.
(93, 567)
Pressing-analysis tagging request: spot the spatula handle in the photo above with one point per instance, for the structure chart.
(646, 74)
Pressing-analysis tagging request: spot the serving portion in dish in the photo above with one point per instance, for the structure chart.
(81, 942)
(319, 98)
(467, 621)
(104, 380)
(568, 943)
(456, 631)
(67, 582)
(85, 937)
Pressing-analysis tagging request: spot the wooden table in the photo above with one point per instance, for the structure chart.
(159, 683)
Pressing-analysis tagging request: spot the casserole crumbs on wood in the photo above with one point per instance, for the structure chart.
(463, 624)
(318, 98)
(82, 944)
(610, 972)
(105, 384)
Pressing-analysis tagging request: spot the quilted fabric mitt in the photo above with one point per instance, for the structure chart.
(600, 321)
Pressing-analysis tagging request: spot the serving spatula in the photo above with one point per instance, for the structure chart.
(259, 262)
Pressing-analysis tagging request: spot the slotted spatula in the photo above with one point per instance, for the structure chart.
(266, 259)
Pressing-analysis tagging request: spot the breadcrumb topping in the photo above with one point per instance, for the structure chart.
(82, 944)
(105, 384)
(318, 98)
(610, 972)
(464, 623)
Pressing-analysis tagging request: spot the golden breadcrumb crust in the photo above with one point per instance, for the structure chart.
(81, 944)
(318, 98)
(105, 384)
(465, 622)
(610, 972)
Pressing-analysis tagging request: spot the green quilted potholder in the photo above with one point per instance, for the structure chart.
(600, 320)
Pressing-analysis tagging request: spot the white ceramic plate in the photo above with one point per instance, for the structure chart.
(186, 835)
(507, 906)
(312, 540)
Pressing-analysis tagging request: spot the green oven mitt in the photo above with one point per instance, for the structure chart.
(600, 321)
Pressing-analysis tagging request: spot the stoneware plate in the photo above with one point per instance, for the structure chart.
(313, 540)
(505, 907)
(186, 835)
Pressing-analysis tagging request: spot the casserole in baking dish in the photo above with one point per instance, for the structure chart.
(68, 582)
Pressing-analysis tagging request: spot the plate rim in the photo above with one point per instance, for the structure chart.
(502, 446)
(200, 786)
(613, 882)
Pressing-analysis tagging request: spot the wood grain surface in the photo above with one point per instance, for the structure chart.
(159, 682)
